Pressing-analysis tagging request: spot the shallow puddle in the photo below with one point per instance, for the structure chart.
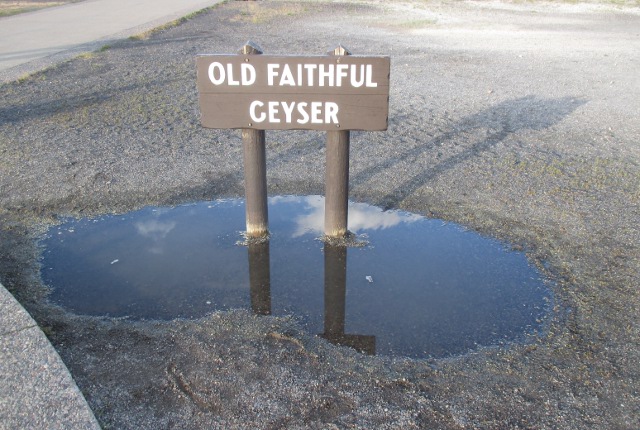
(419, 287)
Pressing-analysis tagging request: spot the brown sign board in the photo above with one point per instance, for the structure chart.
(267, 92)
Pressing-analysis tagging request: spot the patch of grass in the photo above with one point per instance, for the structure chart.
(624, 2)
(92, 54)
(176, 22)
(576, 2)
(8, 8)
(146, 34)
(87, 55)
(419, 23)
(14, 11)
(48, 331)
(23, 78)
(40, 73)
(258, 13)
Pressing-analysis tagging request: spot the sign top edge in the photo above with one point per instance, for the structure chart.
(294, 56)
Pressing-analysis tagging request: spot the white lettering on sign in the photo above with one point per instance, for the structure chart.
(294, 112)
(342, 71)
(219, 74)
(288, 110)
(248, 73)
(281, 75)
(220, 77)
(253, 114)
(271, 73)
(325, 74)
(321, 75)
(294, 92)
(310, 68)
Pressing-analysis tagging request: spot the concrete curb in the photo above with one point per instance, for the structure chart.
(36, 389)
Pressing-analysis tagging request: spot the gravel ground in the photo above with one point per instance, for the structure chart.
(519, 120)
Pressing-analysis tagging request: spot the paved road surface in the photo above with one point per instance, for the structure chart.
(35, 40)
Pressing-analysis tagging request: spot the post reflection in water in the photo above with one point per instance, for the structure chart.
(260, 277)
(440, 289)
(335, 293)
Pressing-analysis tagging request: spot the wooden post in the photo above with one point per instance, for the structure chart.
(335, 289)
(335, 297)
(337, 176)
(260, 277)
(255, 171)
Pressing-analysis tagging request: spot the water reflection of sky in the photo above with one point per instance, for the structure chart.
(361, 215)
(423, 287)
(156, 231)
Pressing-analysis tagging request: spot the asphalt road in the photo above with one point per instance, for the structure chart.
(35, 40)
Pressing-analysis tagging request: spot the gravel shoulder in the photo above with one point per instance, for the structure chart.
(518, 120)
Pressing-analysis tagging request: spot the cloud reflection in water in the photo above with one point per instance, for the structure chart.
(156, 231)
(361, 216)
(423, 287)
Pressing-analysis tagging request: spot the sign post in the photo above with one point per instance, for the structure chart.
(255, 172)
(336, 184)
(336, 200)
(335, 292)
(334, 93)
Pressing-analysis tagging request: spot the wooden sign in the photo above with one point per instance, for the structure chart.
(266, 92)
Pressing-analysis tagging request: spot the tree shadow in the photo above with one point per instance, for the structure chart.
(482, 131)
(44, 108)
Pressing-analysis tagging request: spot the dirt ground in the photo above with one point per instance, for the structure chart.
(516, 119)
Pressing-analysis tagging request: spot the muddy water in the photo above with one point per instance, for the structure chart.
(418, 287)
